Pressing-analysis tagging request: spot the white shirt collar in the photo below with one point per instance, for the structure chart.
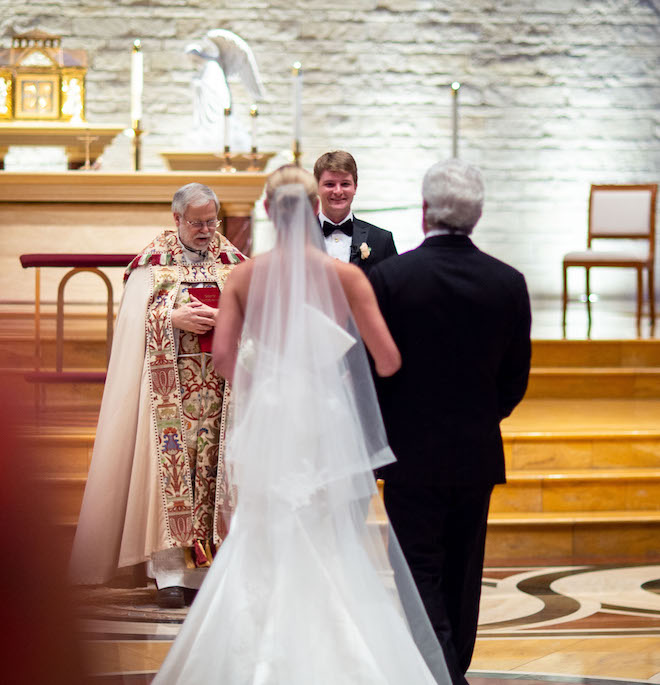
(323, 217)
(438, 231)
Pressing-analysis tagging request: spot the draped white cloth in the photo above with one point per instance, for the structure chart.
(303, 589)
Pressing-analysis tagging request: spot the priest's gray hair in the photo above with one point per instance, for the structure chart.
(454, 194)
(193, 194)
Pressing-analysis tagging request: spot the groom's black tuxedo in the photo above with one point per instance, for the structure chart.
(461, 320)
(380, 241)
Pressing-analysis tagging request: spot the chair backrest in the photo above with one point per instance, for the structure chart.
(623, 211)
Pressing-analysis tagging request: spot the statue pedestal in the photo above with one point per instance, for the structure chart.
(179, 160)
(75, 138)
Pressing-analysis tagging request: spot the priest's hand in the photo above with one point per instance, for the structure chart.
(194, 317)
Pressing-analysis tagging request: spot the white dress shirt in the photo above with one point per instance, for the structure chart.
(438, 231)
(338, 244)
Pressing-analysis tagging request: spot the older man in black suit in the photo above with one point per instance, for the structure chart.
(346, 237)
(461, 320)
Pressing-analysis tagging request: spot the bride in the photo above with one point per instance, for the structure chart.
(310, 586)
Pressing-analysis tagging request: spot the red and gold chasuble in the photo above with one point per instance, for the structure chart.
(188, 400)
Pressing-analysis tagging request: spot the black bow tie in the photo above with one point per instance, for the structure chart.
(346, 227)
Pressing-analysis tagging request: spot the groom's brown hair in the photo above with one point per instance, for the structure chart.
(338, 161)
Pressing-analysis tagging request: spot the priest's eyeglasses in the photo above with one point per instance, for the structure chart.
(199, 225)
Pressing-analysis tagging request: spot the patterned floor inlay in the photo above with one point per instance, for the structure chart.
(536, 679)
(574, 600)
(580, 625)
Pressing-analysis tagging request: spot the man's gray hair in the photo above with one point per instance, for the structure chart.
(193, 194)
(454, 194)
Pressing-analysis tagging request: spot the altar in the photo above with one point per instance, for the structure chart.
(95, 211)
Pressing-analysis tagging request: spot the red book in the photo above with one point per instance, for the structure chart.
(210, 297)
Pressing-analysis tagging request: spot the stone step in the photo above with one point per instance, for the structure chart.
(573, 537)
(616, 435)
(19, 353)
(568, 451)
(544, 383)
(63, 494)
(84, 332)
(62, 395)
(567, 455)
(86, 341)
(552, 538)
(61, 452)
(531, 492)
(566, 434)
(525, 494)
(596, 382)
(596, 353)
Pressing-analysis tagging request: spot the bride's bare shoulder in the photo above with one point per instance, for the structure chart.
(241, 272)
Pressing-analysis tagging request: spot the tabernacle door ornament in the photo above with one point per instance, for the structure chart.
(42, 81)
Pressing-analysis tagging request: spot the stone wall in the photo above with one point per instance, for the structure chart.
(555, 95)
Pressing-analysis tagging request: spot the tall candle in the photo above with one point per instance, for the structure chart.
(227, 117)
(454, 137)
(296, 74)
(137, 82)
(254, 112)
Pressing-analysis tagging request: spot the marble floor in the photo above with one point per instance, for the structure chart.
(595, 625)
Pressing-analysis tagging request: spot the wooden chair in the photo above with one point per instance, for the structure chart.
(618, 212)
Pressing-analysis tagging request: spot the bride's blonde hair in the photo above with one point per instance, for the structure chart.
(290, 174)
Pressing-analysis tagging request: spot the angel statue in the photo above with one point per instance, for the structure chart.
(220, 55)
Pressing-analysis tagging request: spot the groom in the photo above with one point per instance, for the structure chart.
(347, 238)
(461, 320)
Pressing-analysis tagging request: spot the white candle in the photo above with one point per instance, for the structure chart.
(227, 117)
(296, 74)
(137, 82)
(254, 112)
(454, 137)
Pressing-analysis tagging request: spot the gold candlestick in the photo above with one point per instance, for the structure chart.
(254, 113)
(226, 132)
(137, 145)
(296, 75)
(297, 152)
(137, 84)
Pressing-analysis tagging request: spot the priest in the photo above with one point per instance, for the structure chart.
(157, 489)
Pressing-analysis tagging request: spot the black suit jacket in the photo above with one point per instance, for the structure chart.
(461, 320)
(379, 240)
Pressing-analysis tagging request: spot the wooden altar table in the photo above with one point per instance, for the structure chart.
(101, 212)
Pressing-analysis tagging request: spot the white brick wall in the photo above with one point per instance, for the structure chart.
(555, 95)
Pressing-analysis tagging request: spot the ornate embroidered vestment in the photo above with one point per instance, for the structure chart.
(188, 400)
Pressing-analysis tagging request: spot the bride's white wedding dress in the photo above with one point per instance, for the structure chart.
(303, 591)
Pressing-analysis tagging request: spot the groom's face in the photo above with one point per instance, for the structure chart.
(336, 192)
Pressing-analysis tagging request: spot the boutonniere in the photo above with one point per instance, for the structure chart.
(365, 251)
